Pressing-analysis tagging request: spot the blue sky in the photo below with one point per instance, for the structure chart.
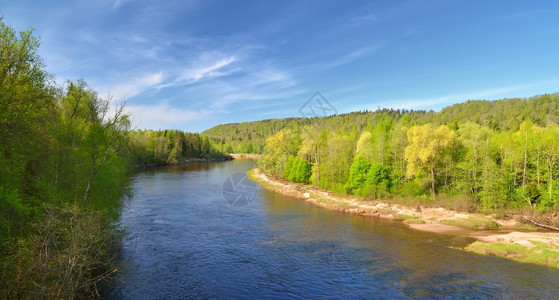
(191, 65)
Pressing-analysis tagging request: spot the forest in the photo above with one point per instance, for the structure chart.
(171, 147)
(66, 156)
(486, 155)
(505, 114)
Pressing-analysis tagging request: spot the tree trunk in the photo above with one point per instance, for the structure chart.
(538, 165)
(432, 167)
(525, 163)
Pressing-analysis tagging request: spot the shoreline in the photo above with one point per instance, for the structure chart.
(186, 161)
(245, 155)
(509, 238)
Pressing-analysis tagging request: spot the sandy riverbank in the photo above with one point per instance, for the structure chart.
(436, 220)
(245, 155)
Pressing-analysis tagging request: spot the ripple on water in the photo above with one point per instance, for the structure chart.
(185, 241)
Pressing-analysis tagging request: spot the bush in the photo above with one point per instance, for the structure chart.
(297, 170)
(357, 174)
(69, 255)
(411, 189)
(457, 202)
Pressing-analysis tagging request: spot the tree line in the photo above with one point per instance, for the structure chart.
(171, 147)
(505, 114)
(514, 165)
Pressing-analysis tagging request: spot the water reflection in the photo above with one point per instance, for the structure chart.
(187, 242)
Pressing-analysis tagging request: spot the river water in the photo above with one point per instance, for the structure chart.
(187, 239)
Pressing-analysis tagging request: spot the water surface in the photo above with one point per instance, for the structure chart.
(186, 241)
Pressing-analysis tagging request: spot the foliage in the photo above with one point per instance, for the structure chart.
(279, 148)
(65, 165)
(499, 115)
(378, 181)
(478, 159)
(297, 170)
(357, 174)
(69, 253)
(427, 146)
(171, 146)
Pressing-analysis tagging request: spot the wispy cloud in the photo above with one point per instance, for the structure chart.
(134, 86)
(117, 4)
(163, 116)
(431, 102)
(363, 19)
(253, 83)
(209, 71)
(202, 84)
(201, 72)
(160, 80)
(350, 57)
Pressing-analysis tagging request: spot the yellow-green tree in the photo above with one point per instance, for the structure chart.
(279, 147)
(426, 147)
(364, 147)
(550, 145)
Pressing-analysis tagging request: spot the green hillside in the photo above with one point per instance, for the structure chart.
(505, 114)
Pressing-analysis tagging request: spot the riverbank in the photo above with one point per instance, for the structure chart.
(505, 238)
(185, 161)
(245, 155)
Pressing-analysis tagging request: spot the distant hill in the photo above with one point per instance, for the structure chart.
(505, 114)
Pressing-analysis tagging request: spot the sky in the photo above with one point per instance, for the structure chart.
(191, 65)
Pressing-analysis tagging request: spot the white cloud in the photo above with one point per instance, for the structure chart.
(427, 102)
(206, 71)
(199, 71)
(163, 116)
(350, 57)
(431, 102)
(134, 86)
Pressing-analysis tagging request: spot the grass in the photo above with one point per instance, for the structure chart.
(409, 219)
(414, 220)
(472, 222)
(320, 198)
(540, 253)
(410, 201)
(523, 227)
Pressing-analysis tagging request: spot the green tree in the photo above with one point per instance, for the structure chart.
(426, 147)
(397, 144)
(550, 149)
(26, 106)
(297, 169)
(335, 167)
(475, 140)
(279, 148)
(378, 180)
(313, 149)
(357, 174)
(364, 147)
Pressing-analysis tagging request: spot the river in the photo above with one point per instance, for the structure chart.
(188, 238)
